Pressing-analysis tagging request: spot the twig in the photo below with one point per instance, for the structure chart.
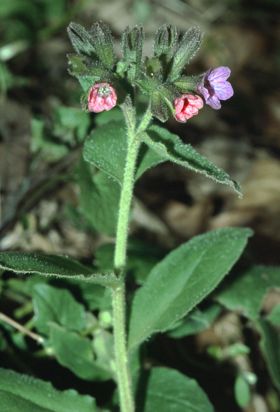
(39, 339)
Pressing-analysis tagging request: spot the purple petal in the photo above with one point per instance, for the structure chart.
(204, 91)
(223, 90)
(218, 74)
(214, 102)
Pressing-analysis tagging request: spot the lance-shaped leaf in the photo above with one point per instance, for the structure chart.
(106, 149)
(169, 147)
(165, 40)
(52, 265)
(26, 394)
(132, 48)
(103, 43)
(81, 39)
(183, 279)
(186, 50)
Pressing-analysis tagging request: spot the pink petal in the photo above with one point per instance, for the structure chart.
(179, 104)
(180, 117)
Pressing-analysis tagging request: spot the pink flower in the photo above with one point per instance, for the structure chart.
(102, 96)
(187, 106)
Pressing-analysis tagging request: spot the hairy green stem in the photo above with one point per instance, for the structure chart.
(118, 293)
(125, 202)
(121, 358)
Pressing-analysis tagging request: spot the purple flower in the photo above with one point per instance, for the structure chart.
(215, 87)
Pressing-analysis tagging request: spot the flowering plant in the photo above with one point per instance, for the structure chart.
(126, 144)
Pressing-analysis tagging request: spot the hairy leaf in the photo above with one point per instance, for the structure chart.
(170, 147)
(106, 149)
(26, 394)
(183, 279)
(52, 265)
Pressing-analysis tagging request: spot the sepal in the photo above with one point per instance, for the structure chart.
(81, 39)
(103, 42)
(186, 50)
(165, 40)
(132, 48)
(162, 103)
(187, 84)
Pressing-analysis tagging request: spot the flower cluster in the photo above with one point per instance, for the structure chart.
(104, 77)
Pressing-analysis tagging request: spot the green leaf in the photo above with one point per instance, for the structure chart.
(170, 147)
(242, 391)
(81, 39)
(183, 279)
(26, 394)
(169, 390)
(195, 322)
(75, 352)
(270, 345)
(246, 292)
(103, 43)
(106, 149)
(71, 124)
(59, 306)
(186, 50)
(52, 265)
(165, 40)
(99, 199)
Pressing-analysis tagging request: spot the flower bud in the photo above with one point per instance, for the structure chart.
(187, 106)
(102, 96)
